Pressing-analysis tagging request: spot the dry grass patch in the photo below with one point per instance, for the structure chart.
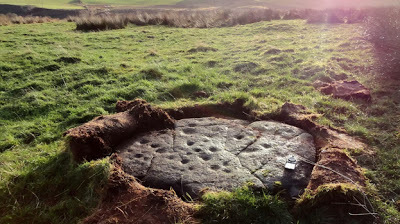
(175, 18)
(15, 19)
(383, 30)
(97, 23)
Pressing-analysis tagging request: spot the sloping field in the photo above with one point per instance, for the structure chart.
(53, 78)
(284, 4)
(329, 3)
(67, 4)
(57, 4)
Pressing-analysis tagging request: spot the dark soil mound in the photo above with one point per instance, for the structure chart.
(68, 60)
(273, 51)
(245, 67)
(346, 90)
(345, 169)
(50, 68)
(202, 49)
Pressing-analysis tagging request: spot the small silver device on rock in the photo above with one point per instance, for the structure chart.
(290, 163)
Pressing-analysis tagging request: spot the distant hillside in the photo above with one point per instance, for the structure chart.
(318, 4)
(37, 11)
(75, 4)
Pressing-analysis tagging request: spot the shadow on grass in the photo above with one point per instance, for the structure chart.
(59, 191)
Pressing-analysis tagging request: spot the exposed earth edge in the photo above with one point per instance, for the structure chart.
(127, 201)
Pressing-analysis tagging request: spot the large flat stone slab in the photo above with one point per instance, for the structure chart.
(220, 154)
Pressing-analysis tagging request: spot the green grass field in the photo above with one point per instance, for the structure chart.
(266, 64)
(68, 4)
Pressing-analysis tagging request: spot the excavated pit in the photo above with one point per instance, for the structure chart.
(189, 149)
(218, 153)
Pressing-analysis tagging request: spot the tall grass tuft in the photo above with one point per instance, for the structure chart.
(298, 14)
(382, 29)
(176, 18)
(331, 16)
(9, 19)
(103, 22)
(212, 18)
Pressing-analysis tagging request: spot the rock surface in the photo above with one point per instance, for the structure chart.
(332, 145)
(220, 154)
